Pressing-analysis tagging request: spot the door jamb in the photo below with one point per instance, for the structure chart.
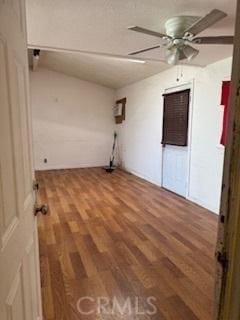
(227, 305)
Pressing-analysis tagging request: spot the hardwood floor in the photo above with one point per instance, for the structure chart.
(118, 237)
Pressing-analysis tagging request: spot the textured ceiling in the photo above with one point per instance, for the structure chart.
(101, 26)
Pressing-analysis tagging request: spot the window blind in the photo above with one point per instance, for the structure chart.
(175, 118)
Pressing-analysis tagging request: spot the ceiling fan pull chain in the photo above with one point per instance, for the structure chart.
(181, 70)
(177, 74)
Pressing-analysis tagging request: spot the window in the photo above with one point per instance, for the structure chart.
(175, 118)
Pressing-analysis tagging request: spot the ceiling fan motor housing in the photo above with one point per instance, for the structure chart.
(176, 26)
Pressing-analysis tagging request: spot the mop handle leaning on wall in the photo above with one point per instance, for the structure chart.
(113, 150)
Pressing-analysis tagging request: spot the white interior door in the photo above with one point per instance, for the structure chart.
(175, 159)
(175, 169)
(19, 261)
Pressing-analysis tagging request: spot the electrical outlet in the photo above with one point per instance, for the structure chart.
(45, 160)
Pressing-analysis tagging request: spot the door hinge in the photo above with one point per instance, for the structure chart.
(35, 185)
(222, 259)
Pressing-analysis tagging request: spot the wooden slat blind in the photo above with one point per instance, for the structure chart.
(175, 118)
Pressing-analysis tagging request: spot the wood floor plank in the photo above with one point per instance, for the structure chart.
(116, 236)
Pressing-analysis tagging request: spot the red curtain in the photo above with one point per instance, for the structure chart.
(225, 103)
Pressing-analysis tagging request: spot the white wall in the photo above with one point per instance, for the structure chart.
(73, 123)
(140, 135)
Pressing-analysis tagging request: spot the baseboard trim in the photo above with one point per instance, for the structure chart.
(144, 177)
(203, 205)
(67, 167)
(195, 201)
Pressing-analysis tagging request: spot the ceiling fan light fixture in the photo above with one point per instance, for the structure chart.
(173, 56)
(190, 52)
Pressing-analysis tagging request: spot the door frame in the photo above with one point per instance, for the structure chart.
(227, 305)
(176, 88)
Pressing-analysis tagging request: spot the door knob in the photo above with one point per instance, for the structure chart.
(43, 209)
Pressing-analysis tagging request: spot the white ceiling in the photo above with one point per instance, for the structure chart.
(107, 72)
(101, 26)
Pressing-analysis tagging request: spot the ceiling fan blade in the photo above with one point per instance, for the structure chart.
(214, 40)
(206, 22)
(144, 50)
(149, 32)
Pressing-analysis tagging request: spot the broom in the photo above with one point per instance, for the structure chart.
(111, 166)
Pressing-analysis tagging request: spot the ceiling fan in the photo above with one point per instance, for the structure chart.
(181, 31)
